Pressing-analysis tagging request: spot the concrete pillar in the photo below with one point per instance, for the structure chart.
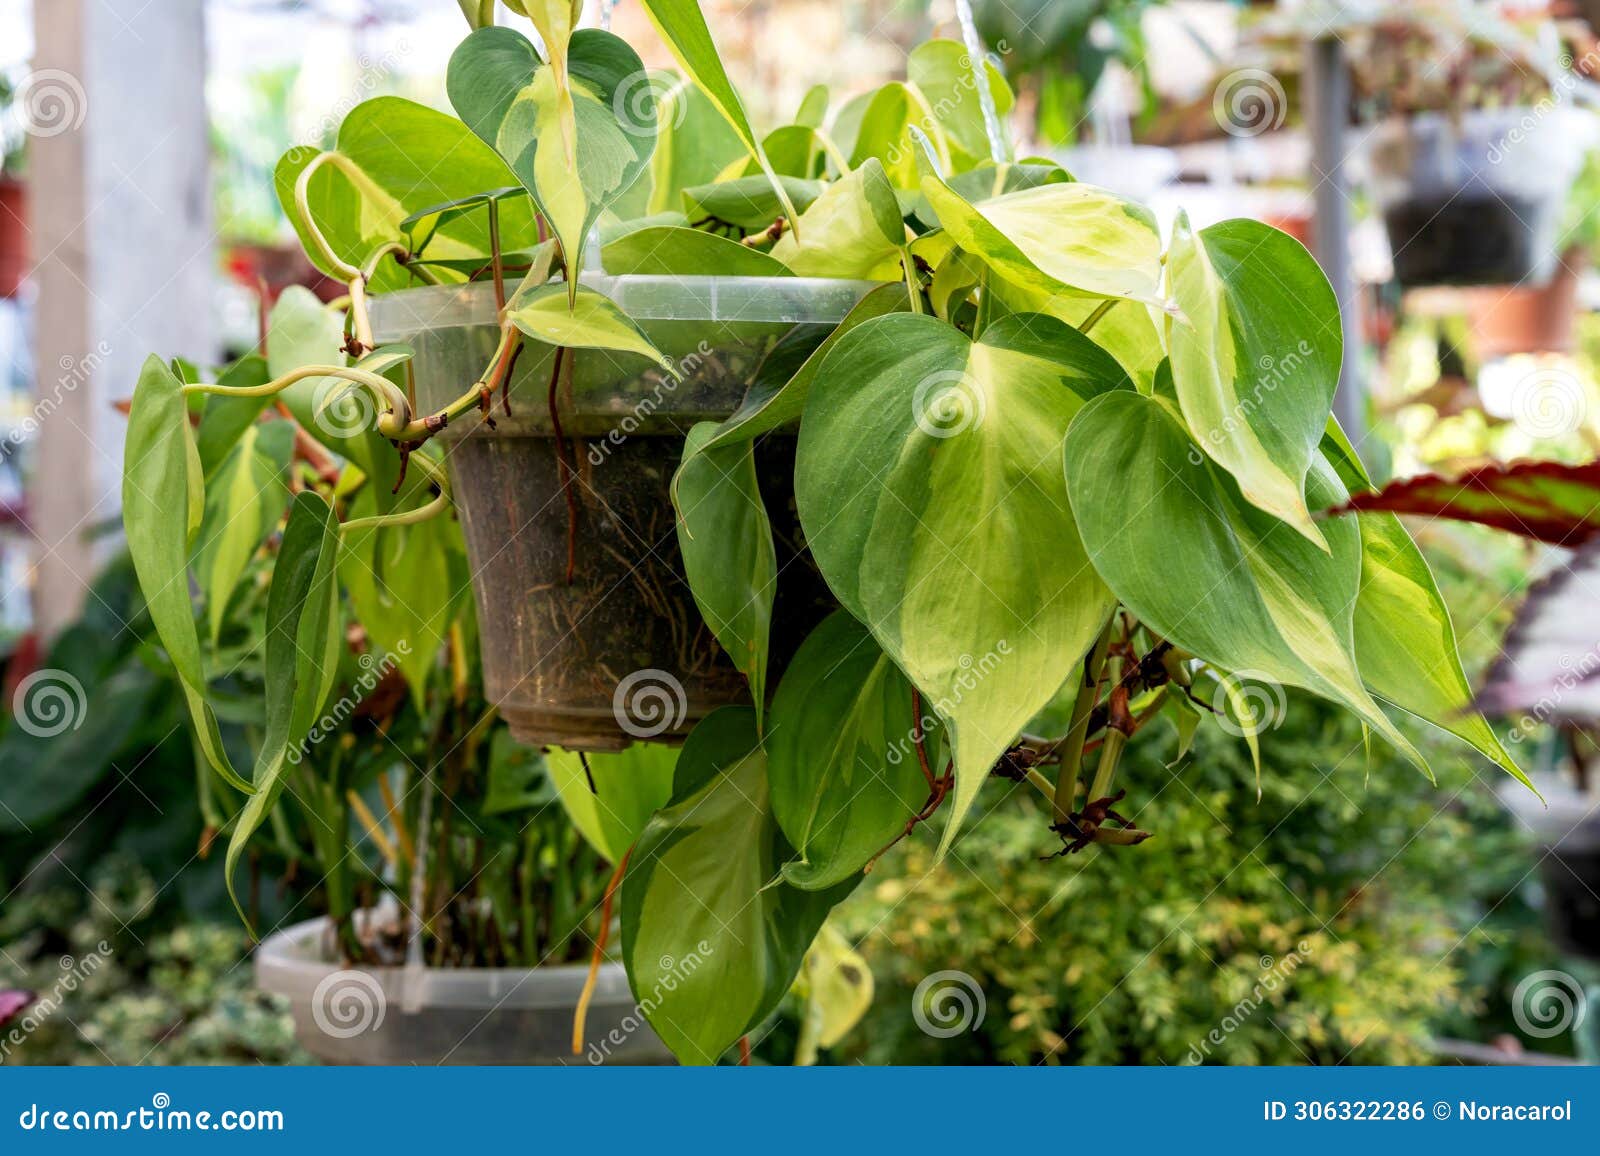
(122, 242)
(1327, 88)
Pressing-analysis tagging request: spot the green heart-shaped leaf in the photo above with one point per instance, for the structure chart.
(728, 553)
(1058, 238)
(514, 102)
(841, 754)
(1405, 641)
(853, 230)
(397, 158)
(156, 512)
(750, 203)
(589, 320)
(928, 480)
(303, 631)
(1174, 538)
(711, 937)
(612, 799)
(674, 251)
(1255, 357)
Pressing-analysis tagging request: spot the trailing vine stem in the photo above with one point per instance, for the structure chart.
(433, 509)
(938, 787)
(564, 468)
(1066, 791)
(580, 1014)
(1097, 313)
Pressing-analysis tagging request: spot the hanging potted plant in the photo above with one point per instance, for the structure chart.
(1508, 320)
(967, 471)
(1476, 144)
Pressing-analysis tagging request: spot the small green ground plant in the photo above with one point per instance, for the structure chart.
(111, 978)
(1061, 473)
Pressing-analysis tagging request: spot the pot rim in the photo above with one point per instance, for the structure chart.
(290, 962)
(775, 300)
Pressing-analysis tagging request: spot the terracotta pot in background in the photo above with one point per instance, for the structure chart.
(1296, 224)
(1528, 320)
(13, 235)
(273, 268)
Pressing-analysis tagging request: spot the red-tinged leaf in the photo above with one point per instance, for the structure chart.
(13, 1004)
(1548, 501)
(1549, 664)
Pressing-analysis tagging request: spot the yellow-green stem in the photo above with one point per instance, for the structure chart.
(1078, 730)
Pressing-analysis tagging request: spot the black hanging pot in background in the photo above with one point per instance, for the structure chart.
(1479, 198)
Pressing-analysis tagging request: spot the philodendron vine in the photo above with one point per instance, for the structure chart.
(1062, 474)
